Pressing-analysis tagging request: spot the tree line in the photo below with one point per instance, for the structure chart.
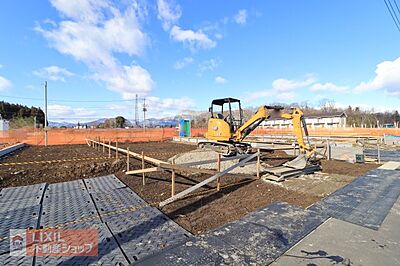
(21, 114)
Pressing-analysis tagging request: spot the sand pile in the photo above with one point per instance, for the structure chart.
(201, 155)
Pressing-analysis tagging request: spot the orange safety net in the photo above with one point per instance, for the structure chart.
(77, 136)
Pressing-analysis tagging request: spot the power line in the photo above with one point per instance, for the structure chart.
(23, 98)
(64, 100)
(395, 2)
(394, 12)
(392, 15)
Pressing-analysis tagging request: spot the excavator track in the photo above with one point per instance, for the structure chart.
(225, 148)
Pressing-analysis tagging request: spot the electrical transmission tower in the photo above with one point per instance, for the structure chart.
(144, 114)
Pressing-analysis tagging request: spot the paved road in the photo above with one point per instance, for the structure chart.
(336, 242)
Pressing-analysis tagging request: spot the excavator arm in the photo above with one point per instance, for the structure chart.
(299, 124)
(265, 112)
(251, 124)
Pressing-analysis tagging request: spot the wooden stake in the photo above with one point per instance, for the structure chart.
(328, 147)
(173, 181)
(143, 177)
(109, 148)
(127, 159)
(379, 153)
(104, 142)
(219, 170)
(258, 164)
(116, 150)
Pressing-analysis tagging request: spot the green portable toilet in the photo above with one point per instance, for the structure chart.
(184, 128)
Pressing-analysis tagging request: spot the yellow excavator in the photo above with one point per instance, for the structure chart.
(227, 130)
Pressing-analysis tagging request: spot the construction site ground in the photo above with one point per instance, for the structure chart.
(205, 210)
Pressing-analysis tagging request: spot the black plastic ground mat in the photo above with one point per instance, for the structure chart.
(65, 186)
(108, 251)
(22, 218)
(116, 201)
(24, 192)
(6, 259)
(145, 231)
(139, 229)
(366, 201)
(71, 206)
(258, 238)
(19, 204)
(103, 183)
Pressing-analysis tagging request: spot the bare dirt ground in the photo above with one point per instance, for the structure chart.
(345, 168)
(198, 213)
(334, 175)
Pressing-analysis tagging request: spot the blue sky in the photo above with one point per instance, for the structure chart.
(98, 54)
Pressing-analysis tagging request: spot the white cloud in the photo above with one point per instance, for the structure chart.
(241, 17)
(168, 13)
(220, 80)
(193, 39)
(282, 85)
(209, 65)
(183, 62)
(93, 30)
(54, 73)
(64, 112)
(87, 10)
(387, 77)
(5, 84)
(282, 89)
(168, 106)
(127, 80)
(328, 87)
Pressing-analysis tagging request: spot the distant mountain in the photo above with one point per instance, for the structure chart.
(151, 122)
(61, 124)
(155, 122)
(95, 122)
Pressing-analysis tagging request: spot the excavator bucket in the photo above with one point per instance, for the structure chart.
(293, 168)
(300, 162)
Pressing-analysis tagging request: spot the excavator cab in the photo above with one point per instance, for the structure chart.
(226, 118)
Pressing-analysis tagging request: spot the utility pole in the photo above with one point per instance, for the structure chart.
(137, 111)
(45, 113)
(144, 114)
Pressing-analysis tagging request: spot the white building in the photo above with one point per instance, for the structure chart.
(4, 124)
(332, 120)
